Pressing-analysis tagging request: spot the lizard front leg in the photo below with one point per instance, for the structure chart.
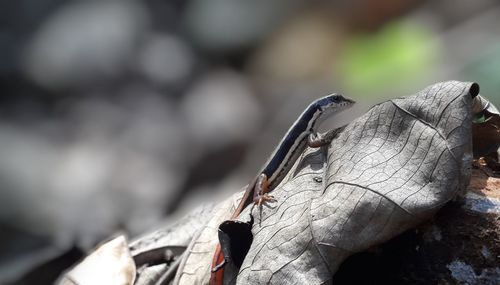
(260, 192)
(261, 189)
(316, 140)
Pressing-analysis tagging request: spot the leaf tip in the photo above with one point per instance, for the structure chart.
(474, 90)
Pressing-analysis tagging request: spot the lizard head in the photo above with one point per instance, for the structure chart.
(334, 103)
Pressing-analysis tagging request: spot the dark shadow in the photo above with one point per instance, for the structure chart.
(235, 238)
(422, 256)
(314, 160)
(49, 272)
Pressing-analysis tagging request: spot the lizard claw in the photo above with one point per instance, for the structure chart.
(219, 266)
(264, 198)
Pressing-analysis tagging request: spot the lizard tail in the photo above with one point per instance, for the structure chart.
(217, 274)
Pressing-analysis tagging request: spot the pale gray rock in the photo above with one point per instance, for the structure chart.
(463, 273)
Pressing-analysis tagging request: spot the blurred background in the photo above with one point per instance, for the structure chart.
(122, 115)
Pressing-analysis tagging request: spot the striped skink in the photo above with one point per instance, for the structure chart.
(301, 134)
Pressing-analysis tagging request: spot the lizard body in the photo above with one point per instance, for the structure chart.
(301, 134)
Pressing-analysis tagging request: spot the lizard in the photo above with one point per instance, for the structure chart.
(302, 133)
